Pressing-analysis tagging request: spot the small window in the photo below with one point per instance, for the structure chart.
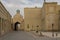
(28, 26)
(59, 11)
(37, 26)
(59, 18)
(52, 26)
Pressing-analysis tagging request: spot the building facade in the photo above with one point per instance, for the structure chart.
(32, 18)
(50, 14)
(46, 18)
(5, 20)
(58, 17)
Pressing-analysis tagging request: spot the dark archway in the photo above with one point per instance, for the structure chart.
(16, 26)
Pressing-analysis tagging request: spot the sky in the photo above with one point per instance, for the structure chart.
(13, 5)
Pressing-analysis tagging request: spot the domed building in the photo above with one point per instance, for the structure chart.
(18, 21)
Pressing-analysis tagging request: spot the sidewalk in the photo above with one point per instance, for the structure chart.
(49, 34)
(46, 34)
(38, 34)
(44, 37)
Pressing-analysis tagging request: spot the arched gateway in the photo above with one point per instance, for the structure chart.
(18, 22)
(16, 26)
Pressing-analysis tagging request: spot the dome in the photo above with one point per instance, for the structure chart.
(18, 11)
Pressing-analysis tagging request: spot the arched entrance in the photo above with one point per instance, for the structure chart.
(17, 26)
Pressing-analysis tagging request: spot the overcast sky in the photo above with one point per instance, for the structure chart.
(13, 5)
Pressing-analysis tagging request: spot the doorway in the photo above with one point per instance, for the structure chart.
(17, 26)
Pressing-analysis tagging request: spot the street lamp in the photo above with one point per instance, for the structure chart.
(37, 29)
(52, 30)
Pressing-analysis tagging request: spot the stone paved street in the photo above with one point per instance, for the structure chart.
(17, 35)
(20, 35)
